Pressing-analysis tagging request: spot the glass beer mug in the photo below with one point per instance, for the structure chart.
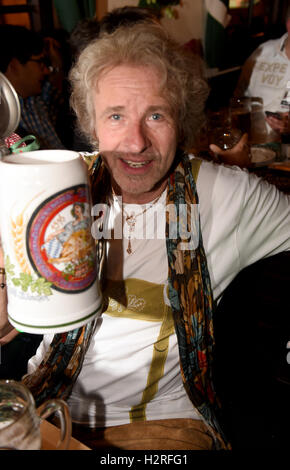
(20, 420)
(240, 113)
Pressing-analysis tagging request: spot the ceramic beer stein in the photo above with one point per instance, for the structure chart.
(49, 252)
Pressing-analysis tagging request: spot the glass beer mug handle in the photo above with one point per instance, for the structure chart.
(61, 409)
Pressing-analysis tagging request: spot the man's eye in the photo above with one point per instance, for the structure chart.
(156, 116)
(115, 117)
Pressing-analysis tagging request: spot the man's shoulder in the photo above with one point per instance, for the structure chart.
(270, 47)
(220, 175)
(230, 181)
(208, 166)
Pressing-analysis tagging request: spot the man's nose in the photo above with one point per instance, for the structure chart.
(137, 139)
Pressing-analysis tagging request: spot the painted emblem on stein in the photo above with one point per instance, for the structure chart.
(59, 243)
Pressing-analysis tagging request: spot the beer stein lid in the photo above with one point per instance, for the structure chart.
(9, 108)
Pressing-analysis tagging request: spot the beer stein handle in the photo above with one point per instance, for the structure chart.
(61, 409)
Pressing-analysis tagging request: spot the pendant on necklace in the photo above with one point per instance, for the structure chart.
(129, 248)
(131, 221)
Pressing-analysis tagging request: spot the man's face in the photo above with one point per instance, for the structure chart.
(136, 131)
(33, 74)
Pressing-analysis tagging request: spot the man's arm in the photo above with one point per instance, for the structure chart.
(246, 73)
(264, 225)
(9, 336)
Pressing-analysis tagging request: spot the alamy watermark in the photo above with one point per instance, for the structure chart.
(184, 223)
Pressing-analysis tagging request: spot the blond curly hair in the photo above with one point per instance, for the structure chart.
(145, 45)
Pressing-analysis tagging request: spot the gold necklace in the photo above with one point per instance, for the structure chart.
(131, 220)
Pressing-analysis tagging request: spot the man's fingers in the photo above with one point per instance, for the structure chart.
(238, 147)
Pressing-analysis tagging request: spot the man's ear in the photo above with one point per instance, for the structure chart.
(14, 73)
(13, 67)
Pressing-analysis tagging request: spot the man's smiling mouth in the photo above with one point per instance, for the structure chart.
(136, 164)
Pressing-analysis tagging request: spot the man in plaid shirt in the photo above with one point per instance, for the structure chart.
(24, 62)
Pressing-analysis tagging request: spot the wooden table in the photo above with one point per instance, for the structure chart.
(50, 437)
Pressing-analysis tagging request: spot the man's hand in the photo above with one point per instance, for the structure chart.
(278, 125)
(238, 155)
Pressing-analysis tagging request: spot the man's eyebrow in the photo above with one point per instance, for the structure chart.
(159, 107)
(151, 109)
(111, 110)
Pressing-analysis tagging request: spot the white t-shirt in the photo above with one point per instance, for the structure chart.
(131, 370)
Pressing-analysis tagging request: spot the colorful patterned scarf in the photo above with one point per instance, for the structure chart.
(190, 297)
(190, 294)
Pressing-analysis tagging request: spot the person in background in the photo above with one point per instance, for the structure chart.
(34, 68)
(89, 29)
(126, 16)
(83, 33)
(265, 74)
